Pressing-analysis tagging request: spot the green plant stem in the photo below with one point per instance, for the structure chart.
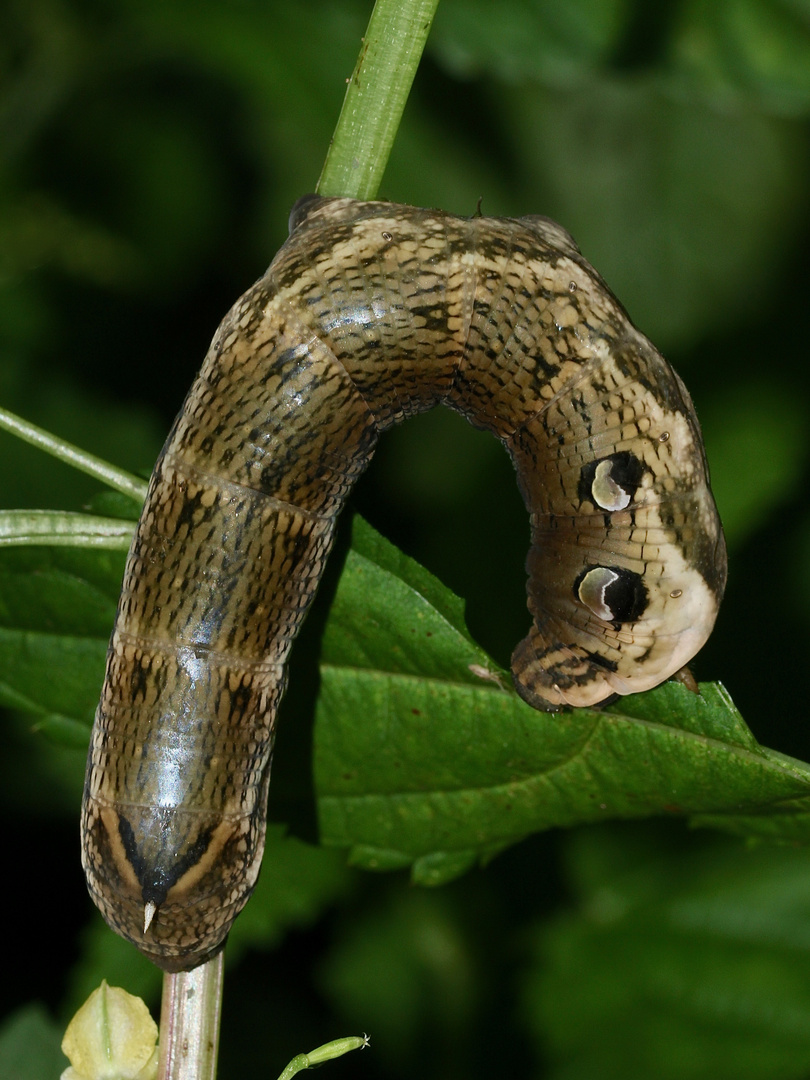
(375, 97)
(62, 528)
(72, 455)
(189, 1022)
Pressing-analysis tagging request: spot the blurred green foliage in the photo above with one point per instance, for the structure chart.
(151, 150)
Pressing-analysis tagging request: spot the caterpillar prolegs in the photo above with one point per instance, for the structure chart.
(370, 313)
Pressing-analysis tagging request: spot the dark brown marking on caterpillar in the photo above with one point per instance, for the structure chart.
(370, 313)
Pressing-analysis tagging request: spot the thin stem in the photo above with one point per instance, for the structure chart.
(72, 455)
(375, 97)
(63, 528)
(189, 1022)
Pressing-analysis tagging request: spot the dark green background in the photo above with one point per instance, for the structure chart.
(151, 150)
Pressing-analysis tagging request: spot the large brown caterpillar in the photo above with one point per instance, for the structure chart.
(372, 312)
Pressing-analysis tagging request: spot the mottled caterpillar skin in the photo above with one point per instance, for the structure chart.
(370, 313)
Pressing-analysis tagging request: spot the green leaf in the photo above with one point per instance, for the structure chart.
(30, 1046)
(419, 759)
(675, 965)
(57, 606)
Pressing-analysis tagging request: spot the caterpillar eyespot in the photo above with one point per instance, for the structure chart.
(370, 313)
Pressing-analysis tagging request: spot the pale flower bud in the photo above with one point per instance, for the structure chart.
(111, 1037)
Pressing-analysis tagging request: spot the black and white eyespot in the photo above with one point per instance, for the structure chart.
(611, 483)
(612, 593)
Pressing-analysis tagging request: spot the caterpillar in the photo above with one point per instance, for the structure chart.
(370, 313)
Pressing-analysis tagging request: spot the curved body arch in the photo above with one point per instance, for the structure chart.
(370, 313)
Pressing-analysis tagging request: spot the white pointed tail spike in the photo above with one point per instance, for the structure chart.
(148, 914)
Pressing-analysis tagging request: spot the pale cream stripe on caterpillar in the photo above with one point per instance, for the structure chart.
(372, 312)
